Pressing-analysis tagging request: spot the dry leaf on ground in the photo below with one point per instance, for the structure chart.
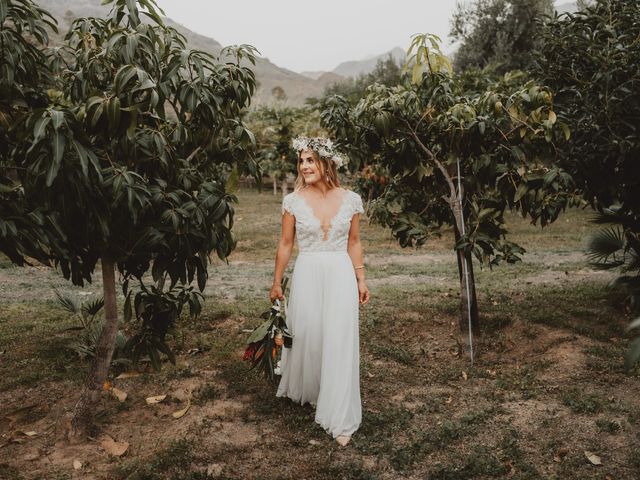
(154, 400)
(77, 464)
(593, 458)
(112, 447)
(119, 394)
(128, 375)
(181, 413)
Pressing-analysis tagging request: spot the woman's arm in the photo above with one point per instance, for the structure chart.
(283, 254)
(354, 248)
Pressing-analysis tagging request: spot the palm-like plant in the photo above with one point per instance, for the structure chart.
(87, 312)
(618, 247)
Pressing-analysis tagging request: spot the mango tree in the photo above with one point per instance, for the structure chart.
(25, 231)
(456, 158)
(590, 58)
(129, 158)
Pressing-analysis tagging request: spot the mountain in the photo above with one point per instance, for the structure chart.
(359, 67)
(314, 75)
(297, 87)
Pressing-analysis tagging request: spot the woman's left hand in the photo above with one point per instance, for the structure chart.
(363, 292)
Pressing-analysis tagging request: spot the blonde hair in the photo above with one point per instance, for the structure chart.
(328, 171)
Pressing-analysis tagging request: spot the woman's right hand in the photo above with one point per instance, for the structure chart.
(276, 292)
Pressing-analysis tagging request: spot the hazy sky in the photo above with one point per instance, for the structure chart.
(303, 35)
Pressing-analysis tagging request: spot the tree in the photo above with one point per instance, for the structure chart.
(279, 94)
(458, 158)
(25, 230)
(590, 58)
(501, 33)
(129, 158)
(275, 128)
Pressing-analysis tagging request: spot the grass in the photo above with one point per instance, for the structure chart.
(548, 375)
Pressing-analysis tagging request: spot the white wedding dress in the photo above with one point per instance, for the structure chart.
(323, 365)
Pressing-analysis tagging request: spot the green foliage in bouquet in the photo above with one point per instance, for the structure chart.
(264, 345)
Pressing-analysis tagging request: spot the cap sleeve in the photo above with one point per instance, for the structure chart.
(356, 201)
(287, 204)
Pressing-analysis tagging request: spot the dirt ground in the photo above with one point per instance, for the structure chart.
(546, 397)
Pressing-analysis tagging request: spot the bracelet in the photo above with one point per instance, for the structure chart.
(358, 267)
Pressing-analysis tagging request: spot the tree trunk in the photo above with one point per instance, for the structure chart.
(93, 386)
(285, 187)
(467, 295)
(275, 185)
(468, 299)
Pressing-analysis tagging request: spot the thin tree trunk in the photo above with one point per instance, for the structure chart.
(285, 187)
(468, 299)
(467, 295)
(275, 185)
(93, 386)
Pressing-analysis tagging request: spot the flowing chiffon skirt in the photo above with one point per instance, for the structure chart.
(323, 365)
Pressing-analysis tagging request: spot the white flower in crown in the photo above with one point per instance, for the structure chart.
(323, 146)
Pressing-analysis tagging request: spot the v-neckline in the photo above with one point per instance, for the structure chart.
(326, 232)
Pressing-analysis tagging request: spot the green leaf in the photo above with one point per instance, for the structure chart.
(520, 192)
(57, 146)
(4, 7)
(232, 181)
(40, 127)
(113, 113)
(57, 118)
(259, 333)
(518, 153)
(82, 156)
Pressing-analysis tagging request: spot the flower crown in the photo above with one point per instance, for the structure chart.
(323, 146)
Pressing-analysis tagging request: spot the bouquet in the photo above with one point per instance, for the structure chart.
(264, 345)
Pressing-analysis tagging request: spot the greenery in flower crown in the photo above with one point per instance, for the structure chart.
(323, 146)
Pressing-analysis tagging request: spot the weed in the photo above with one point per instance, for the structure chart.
(206, 393)
(607, 426)
(392, 352)
(175, 461)
(579, 402)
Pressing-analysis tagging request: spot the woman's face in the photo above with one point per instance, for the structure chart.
(309, 167)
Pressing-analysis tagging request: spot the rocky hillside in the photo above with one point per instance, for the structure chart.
(296, 86)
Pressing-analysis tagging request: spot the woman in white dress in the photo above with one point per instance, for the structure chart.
(323, 365)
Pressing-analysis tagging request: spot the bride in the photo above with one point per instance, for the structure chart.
(322, 367)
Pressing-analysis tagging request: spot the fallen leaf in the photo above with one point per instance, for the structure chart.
(154, 400)
(112, 447)
(449, 400)
(128, 375)
(77, 464)
(30, 433)
(215, 469)
(314, 442)
(593, 458)
(370, 375)
(181, 413)
(119, 394)
(106, 386)
(464, 375)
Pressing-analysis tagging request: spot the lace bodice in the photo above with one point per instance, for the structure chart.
(311, 236)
